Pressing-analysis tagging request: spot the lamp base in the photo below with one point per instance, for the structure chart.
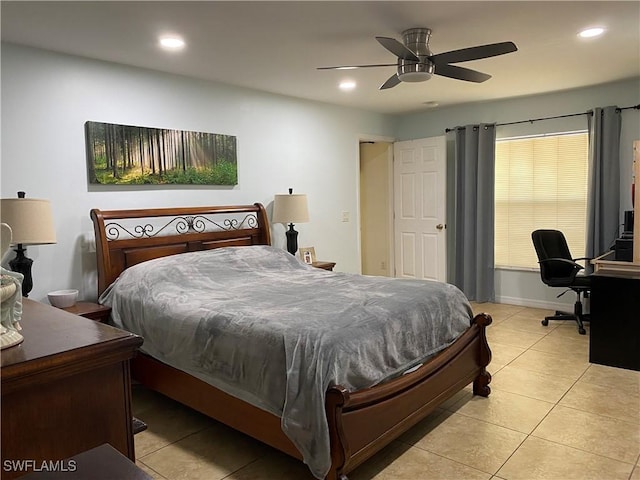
(292, 240)
(22, 264)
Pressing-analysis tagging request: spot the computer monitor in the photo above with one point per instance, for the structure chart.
(624, 244)
(628, 221)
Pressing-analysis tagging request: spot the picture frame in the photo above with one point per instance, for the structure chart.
(308, 255)
(132, 155)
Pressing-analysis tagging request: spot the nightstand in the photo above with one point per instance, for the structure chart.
(94, 311)
(324, 265)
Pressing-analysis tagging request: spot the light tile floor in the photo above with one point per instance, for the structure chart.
(551, 415)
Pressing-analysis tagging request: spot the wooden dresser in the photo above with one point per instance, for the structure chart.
(65, 389)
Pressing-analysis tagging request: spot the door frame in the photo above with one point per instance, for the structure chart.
(390, 205)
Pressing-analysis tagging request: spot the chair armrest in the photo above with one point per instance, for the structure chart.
(577, 266)
(587, 260)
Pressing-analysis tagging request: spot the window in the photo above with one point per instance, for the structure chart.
(541, 182)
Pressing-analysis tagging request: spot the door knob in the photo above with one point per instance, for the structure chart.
(440, 226)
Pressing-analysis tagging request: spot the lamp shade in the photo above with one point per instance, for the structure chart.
(30, 219)
(290, 208)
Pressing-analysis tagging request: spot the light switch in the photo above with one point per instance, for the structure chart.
(345, 216)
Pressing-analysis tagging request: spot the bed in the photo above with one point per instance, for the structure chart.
(359, 420)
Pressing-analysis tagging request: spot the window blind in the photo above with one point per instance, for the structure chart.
(541, 182)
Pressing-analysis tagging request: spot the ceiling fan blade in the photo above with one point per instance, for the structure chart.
(398, 49)
(353, 67)
(474, 53)
(461, 73)
(391, 82)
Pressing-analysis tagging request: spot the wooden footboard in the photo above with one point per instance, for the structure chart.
(360, 423)
(363, 422)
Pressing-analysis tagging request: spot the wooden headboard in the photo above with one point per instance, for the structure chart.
(127, 237)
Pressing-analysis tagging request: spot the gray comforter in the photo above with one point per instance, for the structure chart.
(259, 324)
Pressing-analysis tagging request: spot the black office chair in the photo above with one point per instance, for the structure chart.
(559, 269)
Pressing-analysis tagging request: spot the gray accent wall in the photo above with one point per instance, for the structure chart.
(518, 286)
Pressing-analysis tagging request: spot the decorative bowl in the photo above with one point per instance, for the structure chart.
(63, 298)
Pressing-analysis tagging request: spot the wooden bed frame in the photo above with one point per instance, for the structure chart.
(360, 423)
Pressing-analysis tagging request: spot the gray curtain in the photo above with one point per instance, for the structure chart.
(470, 210)
(603, 197)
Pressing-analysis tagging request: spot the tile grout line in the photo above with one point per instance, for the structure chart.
(512, 454)
(635, 424)
(583, 451)
(244, 466)
(162, 477)
(171, 443)
(454, 461)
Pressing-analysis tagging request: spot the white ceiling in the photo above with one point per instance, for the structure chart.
(276, 46)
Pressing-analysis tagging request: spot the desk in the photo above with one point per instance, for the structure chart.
(614, 339)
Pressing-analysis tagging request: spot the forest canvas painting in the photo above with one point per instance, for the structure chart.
(128, 155)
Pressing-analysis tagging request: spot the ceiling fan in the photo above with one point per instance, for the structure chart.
(416, 63)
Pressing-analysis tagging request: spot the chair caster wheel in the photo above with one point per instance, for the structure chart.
(582, 331)
(545, 322)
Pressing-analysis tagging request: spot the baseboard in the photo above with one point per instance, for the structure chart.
(528, 302)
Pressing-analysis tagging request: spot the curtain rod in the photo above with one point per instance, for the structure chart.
(589, 112)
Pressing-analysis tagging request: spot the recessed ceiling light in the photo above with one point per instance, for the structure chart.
(172, 42)
(347, 85)
(430, 104)
(591, 32)
(346, 68)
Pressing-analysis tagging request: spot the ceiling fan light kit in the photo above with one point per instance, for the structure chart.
(417, 41)
(416, 62)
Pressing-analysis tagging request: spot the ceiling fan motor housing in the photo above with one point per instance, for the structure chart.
(416, 40)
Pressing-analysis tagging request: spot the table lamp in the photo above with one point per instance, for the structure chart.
(288, 209)
(31, 221)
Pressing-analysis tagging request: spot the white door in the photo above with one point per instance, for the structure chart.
(419, 206)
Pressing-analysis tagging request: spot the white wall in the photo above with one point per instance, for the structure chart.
(282, 142)
(519, 287)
